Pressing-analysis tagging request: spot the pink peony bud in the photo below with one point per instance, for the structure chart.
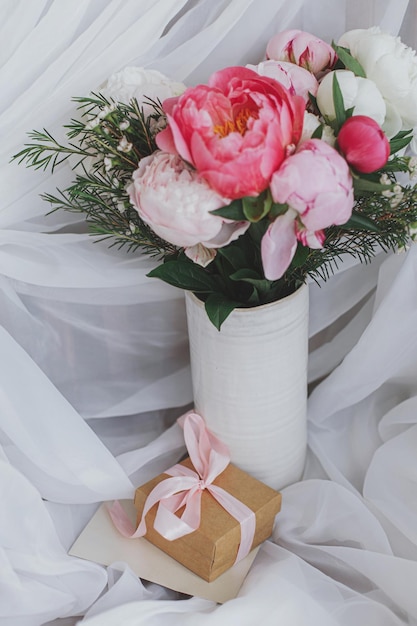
(363, 143)
(301, 48)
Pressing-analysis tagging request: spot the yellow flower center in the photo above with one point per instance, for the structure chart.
(237, 125)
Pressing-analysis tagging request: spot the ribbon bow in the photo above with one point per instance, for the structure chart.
(184, 488)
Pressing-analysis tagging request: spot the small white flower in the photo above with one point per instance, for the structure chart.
(412, 167)
(398, 196)
(395, 194)
(132, 227)
(96, 121)
(124, 145)
(121, 207)
(108, 164)
(124, 125)
(106, 110)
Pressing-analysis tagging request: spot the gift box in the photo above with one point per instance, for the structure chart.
(212, 548)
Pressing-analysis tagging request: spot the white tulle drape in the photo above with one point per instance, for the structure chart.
(94, 357)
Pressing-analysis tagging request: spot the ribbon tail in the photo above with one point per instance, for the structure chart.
(121, 520)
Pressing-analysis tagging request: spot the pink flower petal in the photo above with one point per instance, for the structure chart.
(278, 245)
(200, 254)
(310, 238)
(165, 141)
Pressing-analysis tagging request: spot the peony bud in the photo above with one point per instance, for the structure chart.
(363, 144)
(301, 48)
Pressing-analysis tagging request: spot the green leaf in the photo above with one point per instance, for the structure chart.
(218, 308)
(403, 133)
(184, 275)
(256, 208)
(257, 231)
(396, 164)
(234, 255)
(300, 255)
(278, 209)
(339, 105)
(253, 299)
(313, 100)
(246, 274)
(250, 276)
(233, 211)
(397, 143)
(349, 61)
(318, 133)
(363, 184)
(361, 222)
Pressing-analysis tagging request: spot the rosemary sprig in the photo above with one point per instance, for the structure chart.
(107, 142)
(44, 151)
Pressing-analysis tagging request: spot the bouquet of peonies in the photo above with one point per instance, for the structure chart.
(265, 175)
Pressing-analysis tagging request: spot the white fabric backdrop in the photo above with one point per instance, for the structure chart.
(94, 364)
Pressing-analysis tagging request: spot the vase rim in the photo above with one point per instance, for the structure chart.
(259, 307)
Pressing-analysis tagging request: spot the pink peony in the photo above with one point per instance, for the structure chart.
(301, 48)
(296, 79)
(364, 144)
(316, 184)
(176, 202)
(236, 130)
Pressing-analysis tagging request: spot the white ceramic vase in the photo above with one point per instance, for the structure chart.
(250, 383)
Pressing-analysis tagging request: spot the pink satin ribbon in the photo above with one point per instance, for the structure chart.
(184, 488)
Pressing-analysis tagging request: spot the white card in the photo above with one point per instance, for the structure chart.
(101, 542)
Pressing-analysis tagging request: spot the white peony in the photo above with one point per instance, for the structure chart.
(392, 66)
(360, 93)
(140, 83)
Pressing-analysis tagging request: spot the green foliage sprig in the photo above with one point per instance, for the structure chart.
(104, 145)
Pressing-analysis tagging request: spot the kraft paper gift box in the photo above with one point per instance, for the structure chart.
(212, 548)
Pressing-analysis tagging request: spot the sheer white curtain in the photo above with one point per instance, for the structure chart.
(94, 362)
